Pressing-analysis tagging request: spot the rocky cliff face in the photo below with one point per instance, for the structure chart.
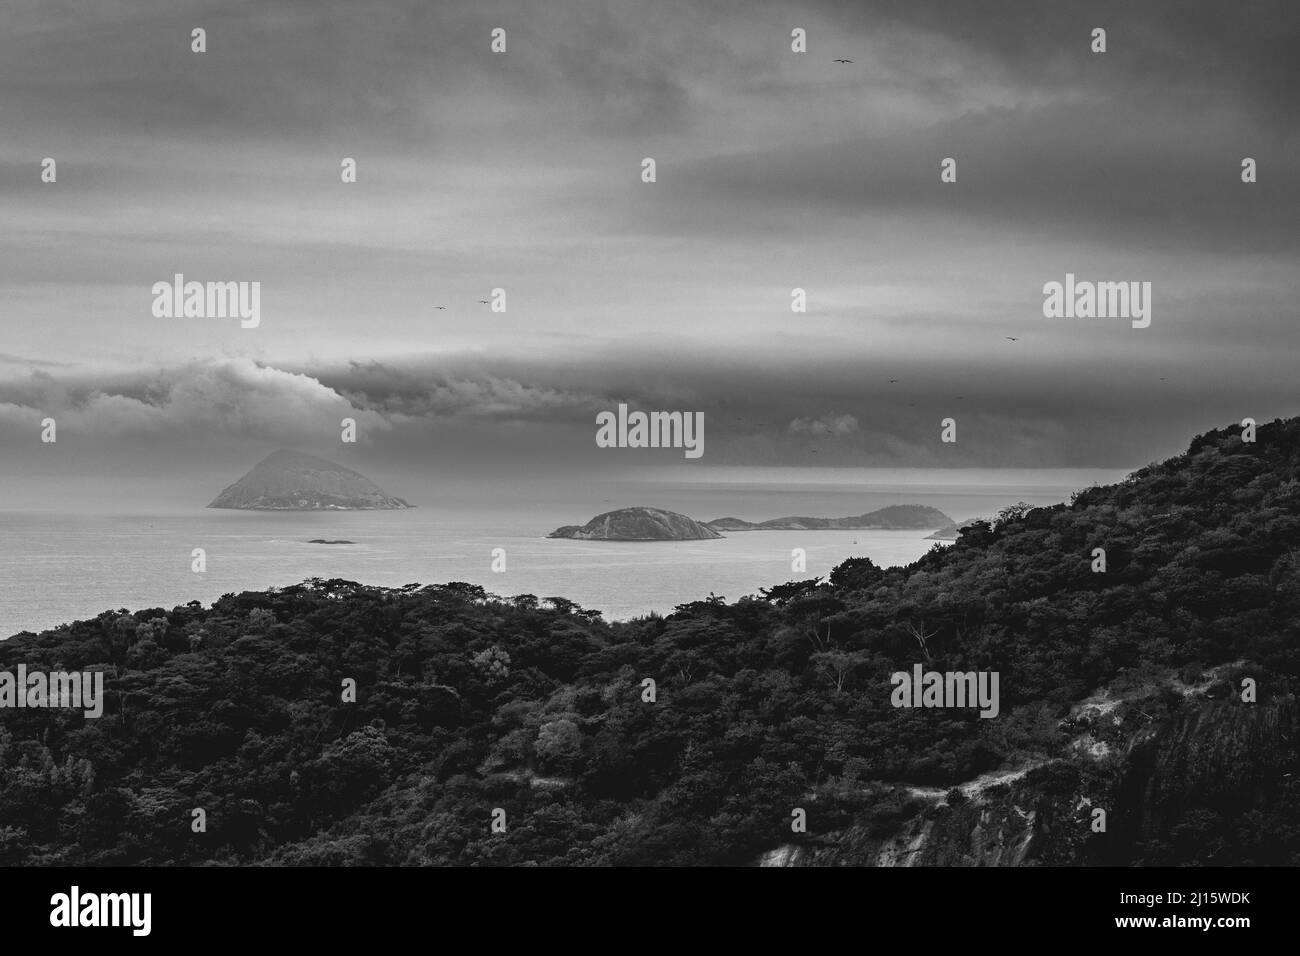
(1188, 777)
(1184, 780)
(974, 835)
(637, 524)
(292, 481)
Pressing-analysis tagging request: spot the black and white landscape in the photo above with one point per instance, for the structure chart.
(627, 434)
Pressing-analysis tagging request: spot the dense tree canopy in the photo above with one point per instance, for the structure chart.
(466, 702)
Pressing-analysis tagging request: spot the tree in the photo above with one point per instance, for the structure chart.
(493, 664)
(259, 619)
(1011, 513)
(559, 744)
(783, 594)
(837, 666)
(562, 605)
(856, 574)
(921, 636)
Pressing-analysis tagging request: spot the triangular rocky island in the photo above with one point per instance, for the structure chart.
(292, 481)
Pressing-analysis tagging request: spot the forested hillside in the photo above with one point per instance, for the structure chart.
(1120, 689)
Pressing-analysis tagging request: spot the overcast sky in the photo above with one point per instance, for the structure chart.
(522, 170)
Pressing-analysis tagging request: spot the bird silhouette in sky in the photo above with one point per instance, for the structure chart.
(441, 308)
(843, 61)
(893, 381)
(1011, 338)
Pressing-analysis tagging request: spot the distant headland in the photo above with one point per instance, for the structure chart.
(656, 524)
(952, 531)
(889, 518)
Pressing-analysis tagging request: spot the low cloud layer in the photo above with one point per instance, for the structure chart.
(471, 412)
(521, 171)
(826, 425)
(218, 398)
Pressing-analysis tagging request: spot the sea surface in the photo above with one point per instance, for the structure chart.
(58, 566)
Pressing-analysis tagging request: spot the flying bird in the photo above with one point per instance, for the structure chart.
(892, 381)
(1011, 338)
(441, 308)
(843, 61)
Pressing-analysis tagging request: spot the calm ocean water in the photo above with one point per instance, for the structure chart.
(57, 567)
